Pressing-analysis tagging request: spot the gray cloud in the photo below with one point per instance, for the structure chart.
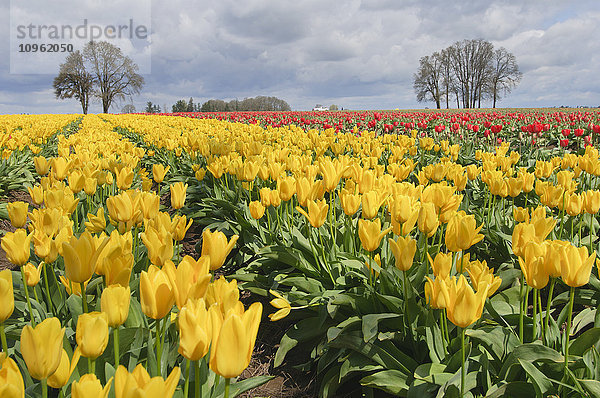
(358, 54)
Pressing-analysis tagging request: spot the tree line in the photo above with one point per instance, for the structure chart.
(467, 72)
(100, 71)
(260, 103)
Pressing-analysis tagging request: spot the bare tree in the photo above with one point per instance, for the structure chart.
(429, 79)
(505, 74)
(471, 60)
(73, 81)
(114, 74)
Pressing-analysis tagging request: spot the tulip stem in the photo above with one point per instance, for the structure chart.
(187, 378)
(591, 231)
(158, 348)
(44, 388)
(116, 342)
(197, 386)
(521, 309)
(548, 305)
(91, 366)
(35, 294)
(27, 297)
(535, 300)
(568, 330)
(462, 371)
(3, 336)
(50, 305)
(442, 331)
(84, 298)
(227, 381)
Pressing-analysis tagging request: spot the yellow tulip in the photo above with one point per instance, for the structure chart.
(215, 245)
(42, 165)
(90, 185)
(186, 283)
(283, 306)
(11, 381)
(114, 302)
(427, 220)
(482, 277)
(370, 233)
(331, 170)
(150, 204)
(521, 214)
(123, 207)
(124, 178)
(233, 346)
(41, 347)
(17, 212)
(576, 265)
(350, 202)
(76, 181)
(159, 172)
(225, 295)
(404, 250)
(180, 227)
(515, 186)
(286, 187)
(96, 223)
(65, 369)
(463, 306)
(371, 202)
(92, 334)
(37, 194)
(156, 294)
(442, 264)
(72, 287)
(461, 232)
(138, 383)
(16, 245)
(433, 292)
(89, 386)
(195, 330)
(317, 212)
(60, 168)
(554, 257)
(533, 265)
(159, 244)
(522, 233)
(81, 257)
(591, 201)
(7, 298)
(574, 204)
(32, 273)
(178, 192)
(257, 210)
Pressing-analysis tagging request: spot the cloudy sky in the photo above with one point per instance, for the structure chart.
(357, 54)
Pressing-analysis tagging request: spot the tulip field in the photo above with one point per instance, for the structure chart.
(412, 254)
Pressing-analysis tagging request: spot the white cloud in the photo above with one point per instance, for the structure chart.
(358, 54)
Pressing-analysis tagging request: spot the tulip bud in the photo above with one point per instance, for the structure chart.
(11, 381)
(114, 302)
(442, 264)
(139, 384)
(16, 245)
(7, 298)
(370, 233)
(17, 212)
(215, 245)
(159, 172)
(195, 330)
(257, 210)
(41, 347)
(404, 250)
(576, 265)
(178, 193)
(89, 386)
(427, 220)
(92, 334)
(41, 165)
(317, 212)
(65, 369)
(156, 294)
(32, 273)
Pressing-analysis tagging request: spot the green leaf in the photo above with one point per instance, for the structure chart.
(584, 342)
(592, 387)
(498, 340)
(433, 373)
(241, 387)
(390, 381)
(515, 389)
(370, 324)
(540, 382)
(530, 352)
(305, 330)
